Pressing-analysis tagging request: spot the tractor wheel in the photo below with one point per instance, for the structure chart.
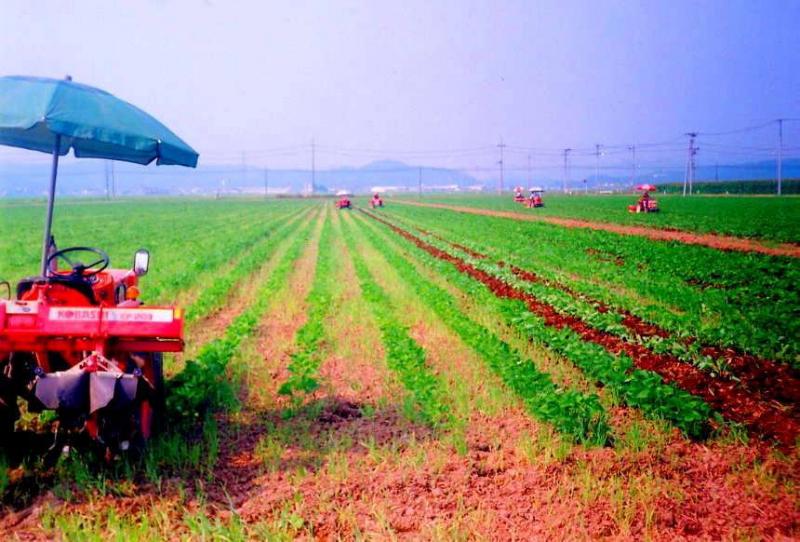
(9, 412)
(151, 416)
(8, 418)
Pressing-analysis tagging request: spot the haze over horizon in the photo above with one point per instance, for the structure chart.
(430, 83)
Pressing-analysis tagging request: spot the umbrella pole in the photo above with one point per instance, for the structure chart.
(51, 196)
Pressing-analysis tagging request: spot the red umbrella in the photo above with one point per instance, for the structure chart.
(646, 187)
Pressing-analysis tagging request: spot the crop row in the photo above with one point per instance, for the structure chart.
(182, 268)
(571, 412)
(306, 359)
(639, 388)
(725, 299)
(204, 384)
(218, 292)
(219, 233)
(404, 355)
(749, 407)
(764, 380)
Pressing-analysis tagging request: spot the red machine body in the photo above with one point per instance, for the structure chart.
(344, 203)
(535, 201)
(376, 201)
(646, 204)
(43, 326)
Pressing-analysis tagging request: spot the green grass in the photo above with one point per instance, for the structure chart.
(186, 238)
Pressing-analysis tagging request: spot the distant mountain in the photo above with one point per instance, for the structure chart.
(88, 178)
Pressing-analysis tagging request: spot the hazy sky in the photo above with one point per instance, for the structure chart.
(420, 75)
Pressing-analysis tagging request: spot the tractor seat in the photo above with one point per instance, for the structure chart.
(78, 285)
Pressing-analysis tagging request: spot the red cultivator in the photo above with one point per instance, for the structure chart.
(344, 200)
(645, 204)
(80, 343)
(376, 201)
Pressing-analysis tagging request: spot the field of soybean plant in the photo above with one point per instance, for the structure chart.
(427, 372)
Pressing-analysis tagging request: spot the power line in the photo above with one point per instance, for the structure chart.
(501, 146)
(633, 157)
(108, 179)
(530, 177)
(688, 179)
(113, 181)
(313, 166)
(780, 154)
(597, 163)
(738, 130)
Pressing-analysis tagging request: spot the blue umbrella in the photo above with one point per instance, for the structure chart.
(54, 116)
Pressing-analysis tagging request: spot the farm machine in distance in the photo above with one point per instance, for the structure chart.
(533, 201)
(645, 204)
(376, 201)
(344, 201)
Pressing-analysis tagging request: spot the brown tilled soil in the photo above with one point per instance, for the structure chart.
(496, 492)
(721, 242)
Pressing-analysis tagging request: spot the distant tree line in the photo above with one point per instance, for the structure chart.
(788, 186)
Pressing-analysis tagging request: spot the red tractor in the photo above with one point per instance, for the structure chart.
(79, 342)
(645, 204)
(535, 199)
(344, 200)
(518, 196)
(376, 201)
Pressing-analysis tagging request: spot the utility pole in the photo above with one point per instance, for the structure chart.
(266, 183)
(632, 148)
(244, 169)
(419, 183)
(313, 165)
(566, 170)
(716, 172)
(108, 179)
(688, 179)
(780, 154)
(530, 177)
(597, 163)
(113, 180)
(501, 146)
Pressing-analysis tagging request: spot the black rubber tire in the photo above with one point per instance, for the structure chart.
(160, 394)
(9, 413)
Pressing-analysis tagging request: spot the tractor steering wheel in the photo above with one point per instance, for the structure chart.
(79, 269)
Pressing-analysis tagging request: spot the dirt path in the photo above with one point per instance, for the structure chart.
(719, 242)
